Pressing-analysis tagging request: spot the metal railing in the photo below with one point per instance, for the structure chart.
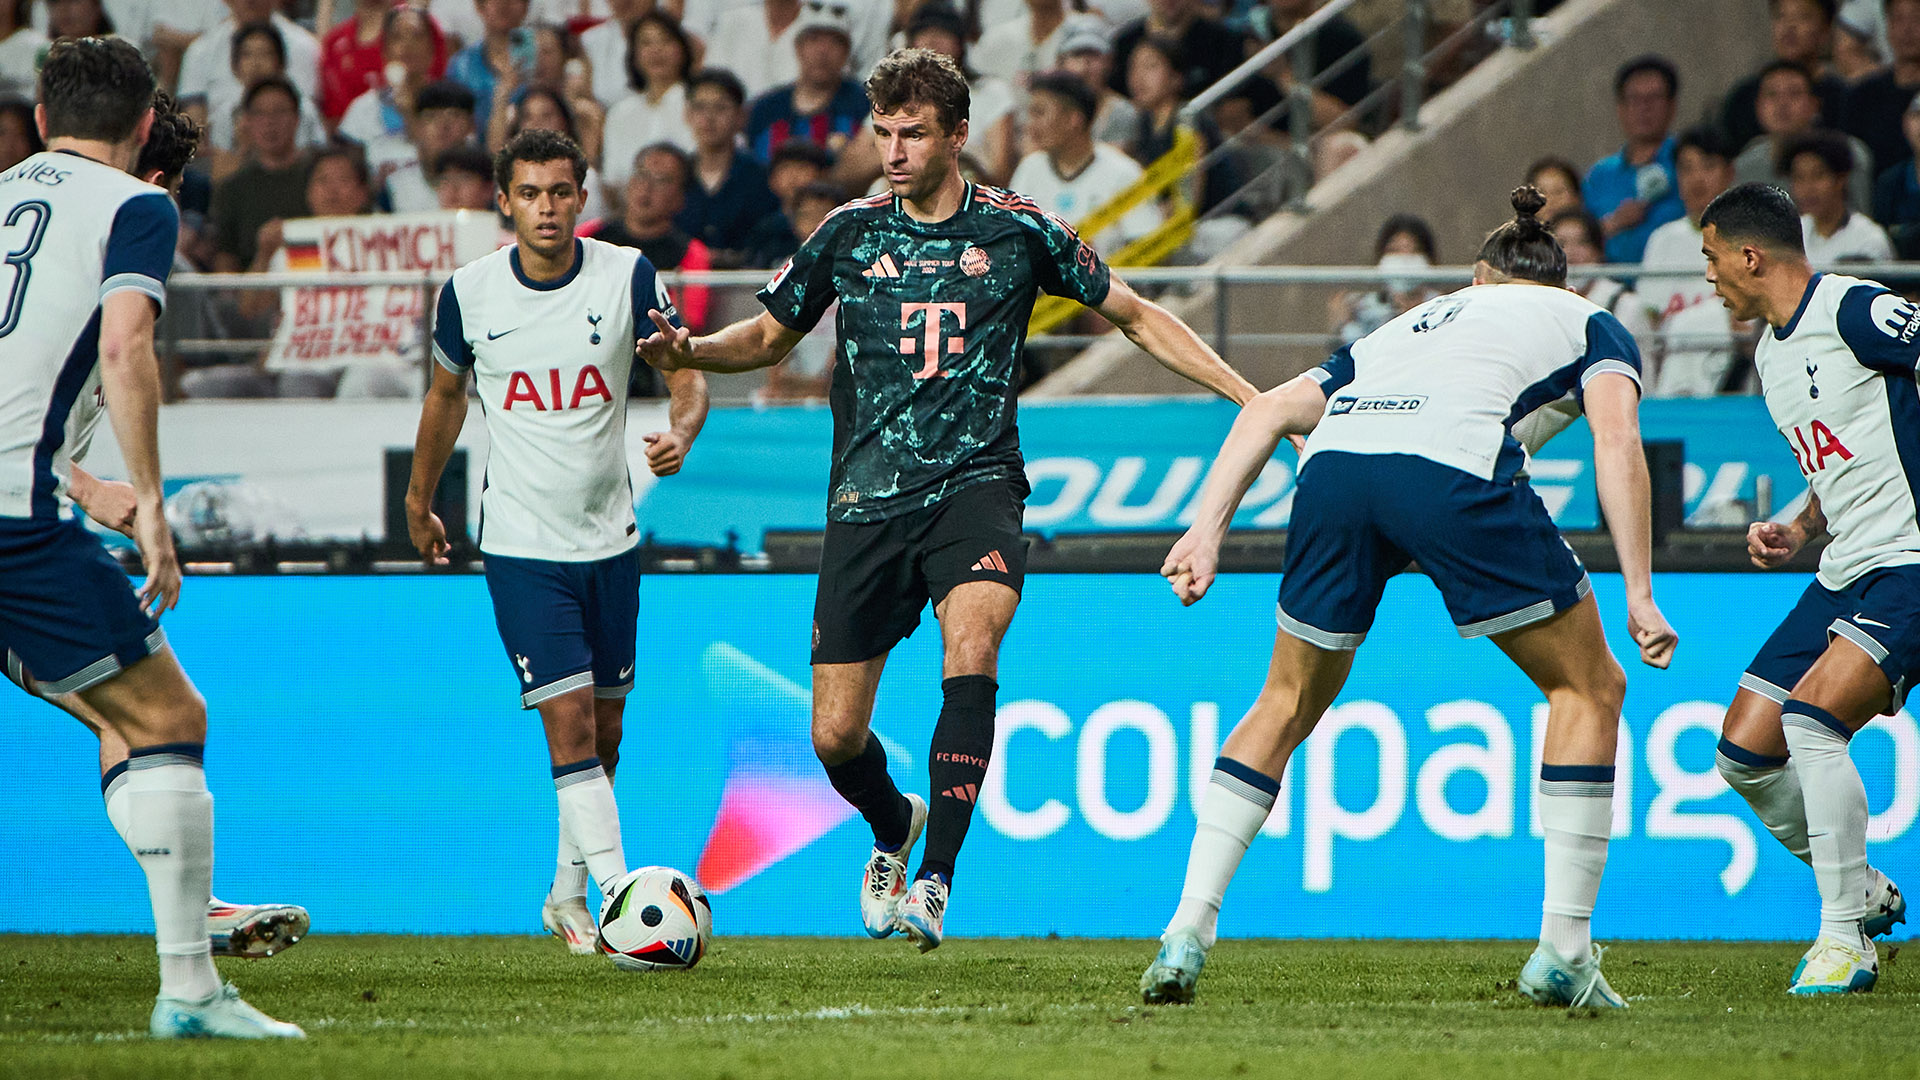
(1227, 287)
(1509, 21)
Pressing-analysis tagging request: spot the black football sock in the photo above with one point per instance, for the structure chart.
(864, 782)
(957, 765)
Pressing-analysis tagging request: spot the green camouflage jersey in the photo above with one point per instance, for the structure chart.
(932, 324)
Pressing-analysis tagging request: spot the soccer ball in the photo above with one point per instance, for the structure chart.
(659, 918)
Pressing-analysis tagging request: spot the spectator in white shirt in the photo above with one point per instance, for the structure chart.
(259, 52)
(1820, 164)
(407, 47)
(442, 120)
(1086, 52)
(655, 108)
(206, 71)
(1693, 347)
(605, 47)
(20, 47)
(1025, 45)
(756, 42)
(1068, 173)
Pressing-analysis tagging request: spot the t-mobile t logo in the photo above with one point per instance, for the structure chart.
(929, 342)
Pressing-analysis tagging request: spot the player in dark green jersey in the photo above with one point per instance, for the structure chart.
(936, 280)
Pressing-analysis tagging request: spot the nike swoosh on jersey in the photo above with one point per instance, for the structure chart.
(1864, 621)
(491, 336)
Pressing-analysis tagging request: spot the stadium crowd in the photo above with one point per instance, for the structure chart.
(720, 131)
(1833, 116)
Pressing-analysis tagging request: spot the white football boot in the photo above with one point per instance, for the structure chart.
(255, 931)
(1835, 967)
(923, 912)
(1551, 979)
(222, 1016)
(883, 883)
(1886, 908)
(1169, 980)
(568, 920)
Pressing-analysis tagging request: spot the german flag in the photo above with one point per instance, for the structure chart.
(304, 255)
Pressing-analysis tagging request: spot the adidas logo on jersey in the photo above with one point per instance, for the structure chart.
(993, 562)
(882, 267)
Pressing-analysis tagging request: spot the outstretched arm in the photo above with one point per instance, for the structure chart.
(747, 345)
(1292, 408)
(1172, 342)
(1620, 474)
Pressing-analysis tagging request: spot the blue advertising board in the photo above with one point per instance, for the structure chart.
(369, 760)
(1138, 465)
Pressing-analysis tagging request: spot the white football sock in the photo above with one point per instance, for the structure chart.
(1576, 812)
(1836, 817)
(169, 826)
(591, 820)
(1772, 787)
(569, 873)
(1236, 803)
(113, 792)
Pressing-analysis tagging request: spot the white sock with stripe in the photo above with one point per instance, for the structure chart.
(590, 818)
(1771, 786)
(1235, 805)
(169, 827)
(1836, 817)
(1576, 812)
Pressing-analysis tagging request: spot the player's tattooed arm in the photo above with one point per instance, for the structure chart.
(1171, 341)
(747, 345)
(110, 502)
(1292, 408)
(441, 417)
(686, 415)
(1771, 544)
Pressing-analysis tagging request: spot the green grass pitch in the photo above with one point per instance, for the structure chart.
(847, 1009)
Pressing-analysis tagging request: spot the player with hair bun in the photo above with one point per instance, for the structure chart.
(1413, 455)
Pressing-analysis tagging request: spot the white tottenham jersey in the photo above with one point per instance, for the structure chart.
(72, 232)
(551, 361)
(1449, 379)
(1839, 381)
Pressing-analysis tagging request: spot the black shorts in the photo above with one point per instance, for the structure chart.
(876, 578)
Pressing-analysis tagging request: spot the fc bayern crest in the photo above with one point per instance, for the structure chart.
(974, 262)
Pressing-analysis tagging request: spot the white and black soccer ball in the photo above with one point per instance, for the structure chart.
(659, 919)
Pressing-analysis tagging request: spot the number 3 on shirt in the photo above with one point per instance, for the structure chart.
(20, 258)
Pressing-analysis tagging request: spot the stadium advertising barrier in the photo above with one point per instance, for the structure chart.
(313, 469)
(370, 761)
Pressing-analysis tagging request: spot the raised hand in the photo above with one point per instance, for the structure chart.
(669, 348)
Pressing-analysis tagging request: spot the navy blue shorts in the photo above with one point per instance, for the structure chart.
(567, 625)
(1880, 613)
(68, 614)
(1359, 519)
